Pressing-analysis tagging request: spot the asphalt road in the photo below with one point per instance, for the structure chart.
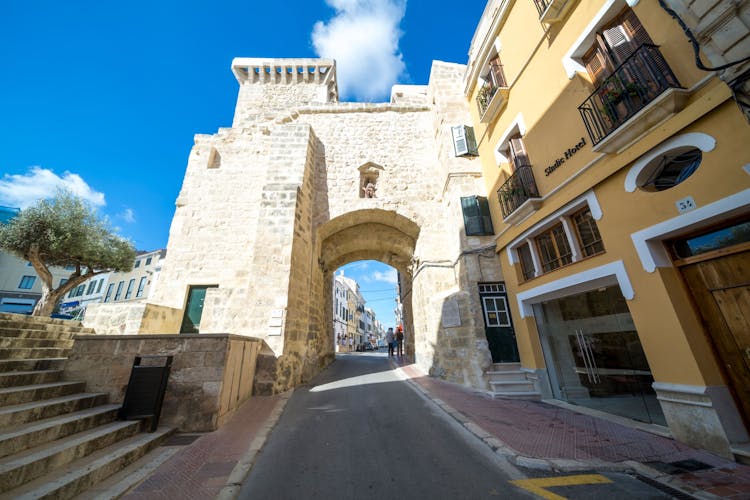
(358, 431)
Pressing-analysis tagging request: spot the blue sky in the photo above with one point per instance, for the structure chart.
(377, 283)
(104, 98)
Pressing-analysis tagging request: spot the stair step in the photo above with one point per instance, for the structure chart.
(33, 463)
(33, 333)
(26, 342)
(25, 436)
(516, 394)
(502, 367)
(17, 378)
(123, 481)
(23, 365)
(26, 393)
(81, 474)
(24, 321)
(39, 410)
(32, 352)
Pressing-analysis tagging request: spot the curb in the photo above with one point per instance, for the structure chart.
(553, 464)
(231, 488)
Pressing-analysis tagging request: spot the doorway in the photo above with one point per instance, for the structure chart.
(715, 266)
(191, 320)
(498, 326)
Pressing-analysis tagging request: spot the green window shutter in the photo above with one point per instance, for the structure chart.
(473, 224)
(471, 141)
(459, 140)
(484, 209)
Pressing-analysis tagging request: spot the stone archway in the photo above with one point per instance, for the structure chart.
(373, 234)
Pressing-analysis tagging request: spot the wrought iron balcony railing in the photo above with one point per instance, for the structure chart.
(640, 79)
(519, 187)
(542, 5)
(495, 79)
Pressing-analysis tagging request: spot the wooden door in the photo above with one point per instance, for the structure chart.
(721, 289)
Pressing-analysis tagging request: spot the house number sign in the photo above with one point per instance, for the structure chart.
(567, 155)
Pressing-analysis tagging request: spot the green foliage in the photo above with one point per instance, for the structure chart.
(65, 231)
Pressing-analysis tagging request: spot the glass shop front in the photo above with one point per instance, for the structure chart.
(594, 356)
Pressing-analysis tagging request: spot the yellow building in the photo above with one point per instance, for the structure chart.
(622, 215)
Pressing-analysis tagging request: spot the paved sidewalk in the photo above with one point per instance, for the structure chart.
(214, 465)
(543, 436)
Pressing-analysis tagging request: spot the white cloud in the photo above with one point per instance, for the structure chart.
(363, 37)
(128, 215)
(20, 191)
(390, 276)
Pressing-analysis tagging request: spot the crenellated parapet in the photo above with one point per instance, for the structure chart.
(271, 86)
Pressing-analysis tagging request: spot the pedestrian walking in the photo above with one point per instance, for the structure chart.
(351, 343)
(390, 340)
(400, 339)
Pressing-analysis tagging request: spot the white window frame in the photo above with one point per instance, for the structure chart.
(572, 61)
(496, 299)
(502, 148)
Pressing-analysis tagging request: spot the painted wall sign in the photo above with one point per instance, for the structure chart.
(568, 155)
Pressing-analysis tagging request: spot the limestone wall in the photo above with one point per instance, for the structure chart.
(211, 374)
(269, 210)
(132, 318)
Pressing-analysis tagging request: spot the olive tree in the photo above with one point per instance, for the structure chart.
(65, 231)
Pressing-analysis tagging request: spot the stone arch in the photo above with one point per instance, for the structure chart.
(370, 234)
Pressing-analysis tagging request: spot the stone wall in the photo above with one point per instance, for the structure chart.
(132, 318)
(211, 374)
(270, 208)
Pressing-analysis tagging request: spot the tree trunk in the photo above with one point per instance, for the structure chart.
(47, 302)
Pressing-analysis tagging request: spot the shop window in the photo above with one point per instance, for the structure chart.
(588, 233)
(477, 219)
(670, 169)
(737, 233)
(554, 249)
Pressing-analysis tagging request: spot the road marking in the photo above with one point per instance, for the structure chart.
(537, 486)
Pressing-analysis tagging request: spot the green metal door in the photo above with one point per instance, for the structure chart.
(498, 325)
(194, 309)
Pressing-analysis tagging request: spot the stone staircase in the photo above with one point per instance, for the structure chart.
(56, 440)
(507, 380)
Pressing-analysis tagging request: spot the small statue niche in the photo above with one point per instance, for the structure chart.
(368, 180)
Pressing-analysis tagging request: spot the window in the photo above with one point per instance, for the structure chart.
(554, 249)
(29, 264)
(99, 288)
(90, 290)
(137, 264)
(62, 282)
(110, 287)
(528, 270)
(148, 260)
(119, 290)
(69, 267)
(496, 311)
(141, 286)
(669, 170)
(27, 282)
(517, 156)
(79, 290)
(477, 219)
(492, 80)
(617, 41)
(131, 284)
(588, 233)
(464, 142)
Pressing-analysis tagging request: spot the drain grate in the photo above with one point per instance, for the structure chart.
(674, 493)
(180, 439)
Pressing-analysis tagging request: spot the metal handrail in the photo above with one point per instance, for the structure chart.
(640, 79)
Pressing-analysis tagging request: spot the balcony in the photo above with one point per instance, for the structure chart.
(494, 93)
(639, 94)
(519, 196)
(552, 11)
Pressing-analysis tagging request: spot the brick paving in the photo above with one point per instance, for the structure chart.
(200, 470)
(539, 430)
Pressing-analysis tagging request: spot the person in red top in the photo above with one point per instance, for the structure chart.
(400, 339)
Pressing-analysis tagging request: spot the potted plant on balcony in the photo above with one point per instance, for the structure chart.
(484, 96)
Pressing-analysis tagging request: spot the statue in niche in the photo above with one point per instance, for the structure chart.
(369, 190)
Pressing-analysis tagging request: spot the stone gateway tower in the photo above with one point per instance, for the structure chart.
(302, 184)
